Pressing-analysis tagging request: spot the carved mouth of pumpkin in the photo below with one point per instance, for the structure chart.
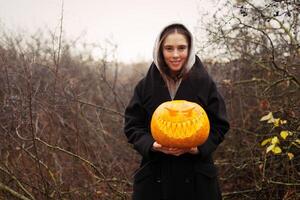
(182, 129)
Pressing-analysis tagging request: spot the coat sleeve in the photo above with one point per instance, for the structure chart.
(136, 125)
(219, 124)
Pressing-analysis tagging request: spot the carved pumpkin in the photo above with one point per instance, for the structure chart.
(180, 124)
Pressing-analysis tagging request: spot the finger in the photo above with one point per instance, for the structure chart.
(166, 151)
(157, 145)
(193, 150)
(177, 152)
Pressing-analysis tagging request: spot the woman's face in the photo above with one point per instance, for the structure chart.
(175, 51)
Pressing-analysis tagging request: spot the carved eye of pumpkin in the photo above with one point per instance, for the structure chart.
(188, 112)
(180, 124)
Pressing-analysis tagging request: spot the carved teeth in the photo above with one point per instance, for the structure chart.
(181, 129)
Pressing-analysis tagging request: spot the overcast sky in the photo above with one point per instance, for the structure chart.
(132, 24)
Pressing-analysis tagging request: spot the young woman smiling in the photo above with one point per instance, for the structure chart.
(175, 74)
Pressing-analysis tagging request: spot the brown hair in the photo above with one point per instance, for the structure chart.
(173, 28)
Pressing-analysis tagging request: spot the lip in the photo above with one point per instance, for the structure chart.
(175, 62)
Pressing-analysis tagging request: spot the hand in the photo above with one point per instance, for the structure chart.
(194, 150)
(173, 151)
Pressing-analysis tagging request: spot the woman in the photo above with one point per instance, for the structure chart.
(176, 73)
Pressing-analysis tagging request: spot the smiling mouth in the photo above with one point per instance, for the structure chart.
(175, 62)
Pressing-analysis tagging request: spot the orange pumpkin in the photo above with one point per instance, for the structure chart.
(180, 124)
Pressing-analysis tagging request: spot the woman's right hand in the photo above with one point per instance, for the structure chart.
(168, 150)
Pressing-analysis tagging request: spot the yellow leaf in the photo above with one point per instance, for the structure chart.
(290, 155)
(283, 121)
(275, 140)
(294, 143)
(276, 122)
(298, 141)
(266, 141)
(284, 134)
(270, 148)
(276, 150)
(267, 117)
(270, 121)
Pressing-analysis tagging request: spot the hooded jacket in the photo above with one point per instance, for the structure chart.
(162, 176)
(171, 83)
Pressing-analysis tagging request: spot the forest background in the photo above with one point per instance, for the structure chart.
(61, 110)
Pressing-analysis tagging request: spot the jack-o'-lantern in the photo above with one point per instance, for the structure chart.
(180, 124)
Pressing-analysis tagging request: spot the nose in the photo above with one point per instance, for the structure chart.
(175, 53)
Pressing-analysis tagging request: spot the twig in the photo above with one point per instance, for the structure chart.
(283, 183)
(74, 155)
(238, 192)
(57, 62)
(12, 192)
(18, 182)
(99, 107)
(250, 81)
(29, 88)
(37, 160)
(277, 82)
(85, 161)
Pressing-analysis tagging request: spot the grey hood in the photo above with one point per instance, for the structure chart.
(191, 59)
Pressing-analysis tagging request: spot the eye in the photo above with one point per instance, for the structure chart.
(172, 112)
(182, 47)
(168, 48)
(188, 112)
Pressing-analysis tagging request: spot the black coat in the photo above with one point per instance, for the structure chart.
(162, 176)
